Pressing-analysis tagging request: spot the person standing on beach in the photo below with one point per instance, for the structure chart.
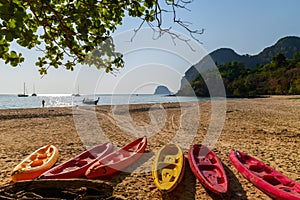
(43, 103)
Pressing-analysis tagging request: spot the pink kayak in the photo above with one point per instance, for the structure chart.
(77, 166)
(207, 167)
(117, 160)
(267, 179)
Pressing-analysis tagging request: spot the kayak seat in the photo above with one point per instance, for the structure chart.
(168, 175)
(162, 165)
(170, 159)
(213, 174)
(136, 148)
(133, 149)
(213, 177)
(36, 163)
(91, 156)
(126, 154)
(271, 179)
(42, 156)
(268, 169)
(211, 158)
(285, 181)
(33, 157)
(56, 171)
(206, 161)
(260, 168)
(123, 154)
(286, 189)
(256, 168)
(209, 167)
(81, 163)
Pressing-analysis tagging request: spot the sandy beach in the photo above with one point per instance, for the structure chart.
(266, 128)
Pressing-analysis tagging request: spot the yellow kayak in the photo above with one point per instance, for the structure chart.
(35, 164)
(168, 167)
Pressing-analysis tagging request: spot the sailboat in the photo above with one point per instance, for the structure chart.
(76, 95)
(24, 94)
(34, 94)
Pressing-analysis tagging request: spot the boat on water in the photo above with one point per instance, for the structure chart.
(90, 101)
(33, 94)
(76, 94)
(24, 93)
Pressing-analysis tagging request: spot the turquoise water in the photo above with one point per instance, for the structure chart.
(60, 100)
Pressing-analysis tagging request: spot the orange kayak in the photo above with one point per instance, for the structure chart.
(35, 164)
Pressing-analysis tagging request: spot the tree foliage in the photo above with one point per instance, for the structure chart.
(281, 76)
(74, 31)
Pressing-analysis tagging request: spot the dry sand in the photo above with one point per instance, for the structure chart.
(267, 128)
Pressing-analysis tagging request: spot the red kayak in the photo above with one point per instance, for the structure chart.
(117, 160)
(207, 167)
(76, 167)
(264, 177)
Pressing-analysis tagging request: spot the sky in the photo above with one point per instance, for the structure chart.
(245, 26)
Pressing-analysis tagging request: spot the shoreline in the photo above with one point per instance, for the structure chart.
(295, 97)
(266, 128)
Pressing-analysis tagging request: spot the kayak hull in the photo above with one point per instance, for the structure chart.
(267, 179)
(118, 160)
(168, 167)
(77, 166)
(35, 164)
(208, 168)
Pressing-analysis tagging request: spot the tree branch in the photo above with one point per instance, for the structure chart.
(159, 31)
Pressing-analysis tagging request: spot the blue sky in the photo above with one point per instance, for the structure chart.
(245, 26)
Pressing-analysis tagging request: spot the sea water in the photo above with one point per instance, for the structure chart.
(66, 100)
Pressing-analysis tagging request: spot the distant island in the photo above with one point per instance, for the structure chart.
(162, 90)
(275, 70)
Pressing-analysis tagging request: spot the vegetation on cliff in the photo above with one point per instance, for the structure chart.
(281, 77)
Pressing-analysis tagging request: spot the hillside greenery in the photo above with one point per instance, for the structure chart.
(281, 76)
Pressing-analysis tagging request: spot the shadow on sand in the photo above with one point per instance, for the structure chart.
(120, 176)
(235, 189)
(186, 189)
(57, 189)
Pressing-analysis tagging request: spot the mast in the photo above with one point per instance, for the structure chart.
(24, 94)
(76, 94)
(33, 94)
